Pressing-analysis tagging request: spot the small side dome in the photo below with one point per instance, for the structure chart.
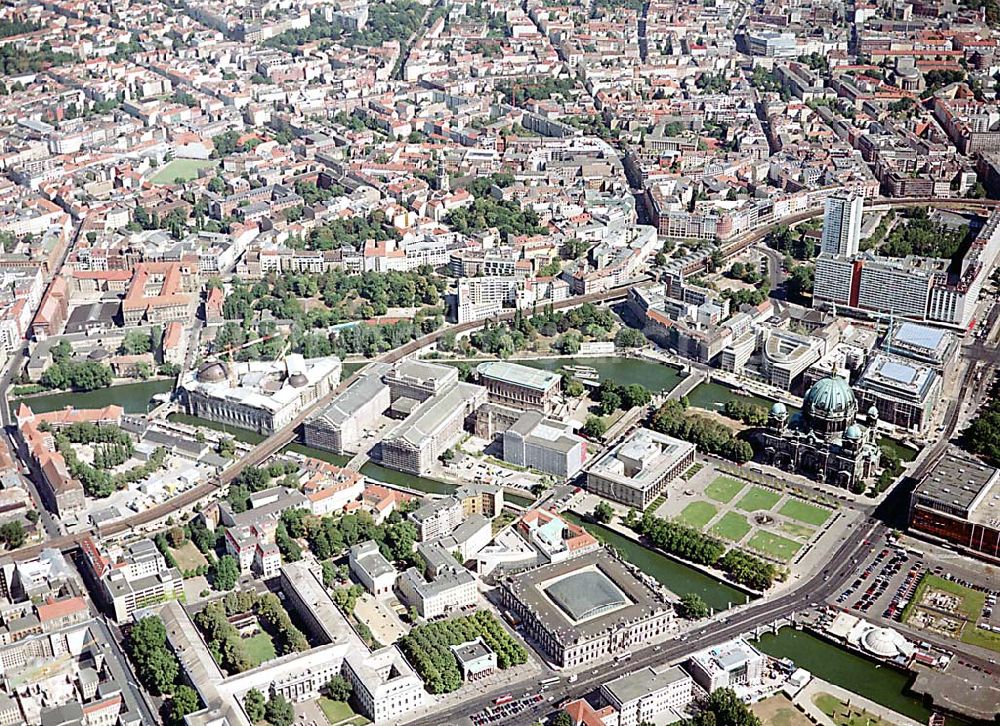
(297, 380)
(778, 409)
(213, 373)
(873, 412)
(853, 433)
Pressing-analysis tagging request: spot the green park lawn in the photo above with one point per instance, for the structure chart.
(188, 557)
(261, 648)
(335, 711)
(758, 499)
(804, 512)
(778, 547)
(731, 526)
(697, 514)
(723, 489)
(181, 170)
(689, 474)
(974, 635)
(843, 714)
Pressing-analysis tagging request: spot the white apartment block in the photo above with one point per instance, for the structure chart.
(832, 282)
(134, 578)
(900, 289)
(842, 224)
(734, 663)
(448, 592)
(544, 444)
(438, 518)
(483, 297)
(385, 685)
(646, 694)
(921, 288)
(371, 568)
(787, 355)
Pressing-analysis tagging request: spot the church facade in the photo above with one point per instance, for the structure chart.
(824, 442)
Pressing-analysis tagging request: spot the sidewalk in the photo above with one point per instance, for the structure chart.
(804, 699)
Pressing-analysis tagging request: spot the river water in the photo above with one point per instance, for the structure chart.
(713, 396)
(133, 397)
(876, 682)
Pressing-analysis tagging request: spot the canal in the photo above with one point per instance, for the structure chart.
(244, 435)
(431, 486)
(886, 686)
(372, 470)
(677, 577)
(133, 397)
(713, 396)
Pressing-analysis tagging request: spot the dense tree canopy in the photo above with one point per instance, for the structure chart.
(428, 648)
(743, 410)
(982, 436)
(716, 438)
(253, 703)
(185, 701)
(111, 448)
(692, 607)
(279, 711)
(225, 572)
(691, 544)
(155, 664)
(922, 236)
(724, 708)
(86, 375)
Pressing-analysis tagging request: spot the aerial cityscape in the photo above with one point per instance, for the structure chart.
(524, 362)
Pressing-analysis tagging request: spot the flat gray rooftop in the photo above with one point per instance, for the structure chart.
(643, 682)
(514, 373)
(643, 601)
(956, 481)
(919, 336)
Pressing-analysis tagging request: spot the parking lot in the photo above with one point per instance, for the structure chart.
(505, 709)
(885, 584)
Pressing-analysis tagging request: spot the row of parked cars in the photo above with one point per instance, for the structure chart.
(887, 563)
(504, 709)
(903, 593)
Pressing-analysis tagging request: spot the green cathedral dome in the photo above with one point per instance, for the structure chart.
(830, 397)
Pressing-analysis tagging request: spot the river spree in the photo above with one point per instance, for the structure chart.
(656, 377)
(883, 685)
(713, 396)
(431, 486)
(372, 470)
(133, 397)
